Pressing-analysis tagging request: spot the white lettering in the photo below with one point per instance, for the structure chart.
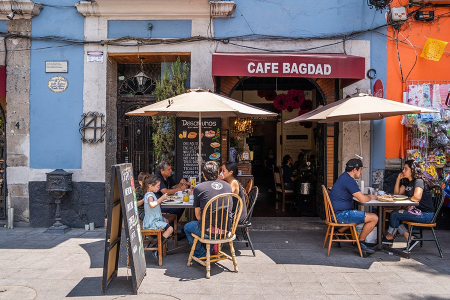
(302, 68)
(251, 67)
(326, 69)
(286, 68)
(267, 67)
(195, 123)
(128, 191)
(319, 69)
(311, 68)
(274, 67)
(259, 68)
(294, 68)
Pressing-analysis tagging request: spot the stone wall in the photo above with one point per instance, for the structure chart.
(18, 117)
(84, 204)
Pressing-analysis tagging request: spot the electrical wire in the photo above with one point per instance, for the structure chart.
(398, 56)
(415, 52)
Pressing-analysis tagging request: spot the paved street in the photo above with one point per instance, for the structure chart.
(288, 265)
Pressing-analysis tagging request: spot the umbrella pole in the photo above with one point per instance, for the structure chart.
(360, 138)
(199, 160)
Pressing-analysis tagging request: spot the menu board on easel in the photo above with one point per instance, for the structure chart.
(187, 145)
(123, 207)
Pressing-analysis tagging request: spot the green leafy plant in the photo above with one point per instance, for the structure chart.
(173, 82)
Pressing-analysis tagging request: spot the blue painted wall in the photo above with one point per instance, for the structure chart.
(160, 29)
(54, 138)
(315, 18)
(3, 26)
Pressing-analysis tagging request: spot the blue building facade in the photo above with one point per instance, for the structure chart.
(101, 41)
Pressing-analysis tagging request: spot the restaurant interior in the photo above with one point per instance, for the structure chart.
(303, 142)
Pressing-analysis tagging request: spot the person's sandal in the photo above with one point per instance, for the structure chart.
(387, 241)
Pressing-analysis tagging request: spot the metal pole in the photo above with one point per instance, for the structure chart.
(360, 138)
(199, 160)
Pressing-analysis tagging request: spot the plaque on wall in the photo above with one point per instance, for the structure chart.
(56, 66)
(58, 84)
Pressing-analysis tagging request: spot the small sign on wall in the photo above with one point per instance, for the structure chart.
(56, 67)
(95, 56)
(58, 84)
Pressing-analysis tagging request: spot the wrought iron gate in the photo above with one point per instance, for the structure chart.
(134, 137)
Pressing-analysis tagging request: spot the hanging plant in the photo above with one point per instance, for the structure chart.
(270, 95)
(305, 124)
(303, 111)
(262, 93)
(306, 105)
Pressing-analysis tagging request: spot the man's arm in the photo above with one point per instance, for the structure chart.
(198, 214)
(364, 198)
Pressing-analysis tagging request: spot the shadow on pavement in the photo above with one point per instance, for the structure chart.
(92, 286)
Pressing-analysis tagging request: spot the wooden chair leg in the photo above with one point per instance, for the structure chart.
(283, 205)
(409, 238)
(250, 241)
(175, 232)
(191, 254)
(160, 252)
(233, 257)
(326, 236)
(356, 238)
(331, 240)
(383, 220)
(208, 261)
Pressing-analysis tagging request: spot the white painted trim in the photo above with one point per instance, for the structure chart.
(26, 9)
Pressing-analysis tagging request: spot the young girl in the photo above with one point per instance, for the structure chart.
(153, 218)
(229, 170)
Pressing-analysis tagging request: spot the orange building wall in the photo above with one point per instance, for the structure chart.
(417, 33)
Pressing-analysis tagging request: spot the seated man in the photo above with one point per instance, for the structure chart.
(341, 196)
(169, 187)
(204, 192)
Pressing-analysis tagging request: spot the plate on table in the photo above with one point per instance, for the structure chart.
(400, 197)
(385, 198)
(174, 200)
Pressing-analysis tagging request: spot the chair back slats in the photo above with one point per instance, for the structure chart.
(438, 200)
(329, 211)
(252, 196)
(278, 177)
(218, 209)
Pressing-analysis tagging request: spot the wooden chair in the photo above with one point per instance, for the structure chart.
(438, 200)
(218, 231)
(249, 186)
(331, 222)
(172, 218)
(246, 223)
(280, 190)
(158, 233)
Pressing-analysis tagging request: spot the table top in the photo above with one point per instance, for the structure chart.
(406, 202)
(188, 204)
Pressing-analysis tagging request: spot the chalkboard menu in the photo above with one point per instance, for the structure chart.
(187, 145)
(123, 207)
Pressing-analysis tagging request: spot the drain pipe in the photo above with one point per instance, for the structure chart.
(10, 213)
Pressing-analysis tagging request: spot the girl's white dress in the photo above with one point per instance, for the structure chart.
(153, 217)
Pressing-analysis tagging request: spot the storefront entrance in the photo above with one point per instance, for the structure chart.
(315, 142)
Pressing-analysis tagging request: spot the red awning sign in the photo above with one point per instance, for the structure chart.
(351, 68)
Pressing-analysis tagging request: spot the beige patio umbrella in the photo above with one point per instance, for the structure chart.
(362, 107)
(201, 103)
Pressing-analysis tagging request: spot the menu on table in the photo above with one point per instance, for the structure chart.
(186, 156)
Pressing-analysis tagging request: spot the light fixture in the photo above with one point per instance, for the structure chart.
(242, 126)
(141, 77)
(11, 15)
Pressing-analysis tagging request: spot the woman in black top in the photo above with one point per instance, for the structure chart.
(412, 183)
(229, 170)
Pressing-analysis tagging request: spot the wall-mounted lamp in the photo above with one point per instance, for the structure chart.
(11, 15)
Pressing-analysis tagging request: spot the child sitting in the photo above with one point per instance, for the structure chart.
(153, 218)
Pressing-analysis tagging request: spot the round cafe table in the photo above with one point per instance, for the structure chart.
(380, 205)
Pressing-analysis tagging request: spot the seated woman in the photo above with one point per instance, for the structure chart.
(412, 183)
(288, 175)
(229, 170)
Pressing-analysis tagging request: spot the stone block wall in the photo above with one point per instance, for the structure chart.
(84, 204)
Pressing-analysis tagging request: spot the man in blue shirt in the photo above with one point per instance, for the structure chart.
(341, 196)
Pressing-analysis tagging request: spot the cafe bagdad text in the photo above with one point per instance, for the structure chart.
(288, 68)
(187, 147)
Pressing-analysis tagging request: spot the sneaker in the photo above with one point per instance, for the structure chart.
(366, 248)
(412, 244)
(387, 241)
(155, 254)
